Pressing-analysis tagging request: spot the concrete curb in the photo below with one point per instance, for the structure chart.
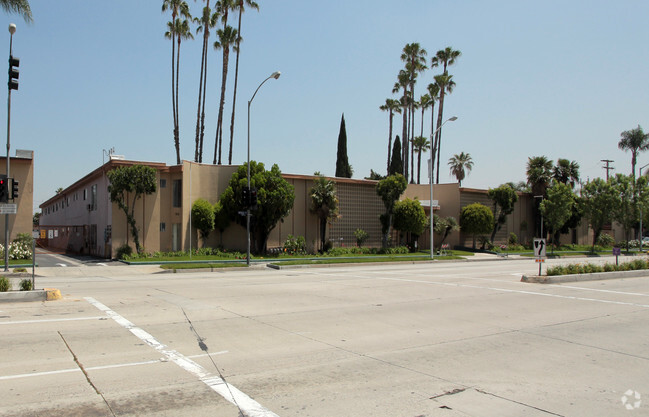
(47, 294)
(596, 276)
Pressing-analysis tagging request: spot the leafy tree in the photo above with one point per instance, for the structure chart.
(390, 189)
(374, 176)
(392, 106)
(598, 198)
(203, 218)
(275, 197)
(460, 165)
(630, 196)
(226, 37)
(476, 219)
(361, 236)
(566, 172)
(221, 219)
(36, 219)
(177, 30)
(557, 208)
(421, 144)
(343, 169)
(324, 203)
(410, 218)
(135, 180)
(444, 226)
(636, 141)
(17, 6)
(504, 198)
(396, 164)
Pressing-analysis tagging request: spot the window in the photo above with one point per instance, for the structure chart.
(163, 227)
(163, 183)
(85, 194)
(177, 190)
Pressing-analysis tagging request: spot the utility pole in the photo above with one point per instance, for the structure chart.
(607, 167)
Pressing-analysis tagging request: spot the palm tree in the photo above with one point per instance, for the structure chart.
(420, 144)
(177, 30)
(227, 36)
(239, 6)
(324, 203)
(634, 140)
(17, 6)
(566, 172)
(539, 174)
(414, 57)
(444, 57)
(446, 84)
(433, 93)
(205, 23)
(391, 106)
(460, 166)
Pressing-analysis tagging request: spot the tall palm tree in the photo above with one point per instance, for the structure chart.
(421, 144)
(207, 21)
(566, 172)
(539, 174)
(238, 6)
(226, 37)
(17, 6)
(446, 85)
(636, 141)
(392, 106)
(177, 30)
(460, 166)
(443, 57)
(414, 57)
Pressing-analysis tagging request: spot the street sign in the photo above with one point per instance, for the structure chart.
(7, 209)
(539, 248)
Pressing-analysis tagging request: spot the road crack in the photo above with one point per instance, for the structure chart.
(80, 365)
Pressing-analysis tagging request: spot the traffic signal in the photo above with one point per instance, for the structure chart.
(253, 198)
(4, 195)
(14, 189)
(14, 63)
(246, 197)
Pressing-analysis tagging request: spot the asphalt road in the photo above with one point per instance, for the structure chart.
(443, 339)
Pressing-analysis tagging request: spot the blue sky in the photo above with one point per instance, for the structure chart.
(553, 78)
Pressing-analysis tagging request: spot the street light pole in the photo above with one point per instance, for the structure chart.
(12, 30)
(641, 234)
(274, 75)
(430, 180)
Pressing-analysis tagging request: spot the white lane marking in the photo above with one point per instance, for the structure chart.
(449, 284)
(52, 320)
(101, 264)
(96, 368)
(249, 406)
(63, 265)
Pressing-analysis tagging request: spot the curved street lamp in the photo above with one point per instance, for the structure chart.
(430, 180)
(274, 75)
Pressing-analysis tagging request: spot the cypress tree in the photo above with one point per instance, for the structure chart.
(396, 164)
(343, 169)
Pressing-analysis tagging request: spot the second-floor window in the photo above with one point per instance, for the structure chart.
(177, 190)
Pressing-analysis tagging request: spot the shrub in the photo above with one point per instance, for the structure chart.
(26, 285)
(295, 245)
(5, 284)
(17, 270)
(124, 252)
(361, 236)
(513, 239)
(605, 240)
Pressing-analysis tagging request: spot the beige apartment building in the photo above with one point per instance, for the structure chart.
(21, 168)
(81, 218)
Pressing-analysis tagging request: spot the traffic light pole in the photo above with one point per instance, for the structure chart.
(12, 29)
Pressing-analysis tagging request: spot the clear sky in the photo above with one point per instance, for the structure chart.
(554, 78)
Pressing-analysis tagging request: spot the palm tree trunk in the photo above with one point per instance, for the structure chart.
(438, 139)
(419, 166)
(404, 130)
(236, 78)
(173, 86)
(200, 94)
(390, 142)
(433, 147)
(176, 129)
(219, 126)
(200, 154)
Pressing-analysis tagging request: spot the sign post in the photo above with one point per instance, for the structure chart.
(539, 252)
